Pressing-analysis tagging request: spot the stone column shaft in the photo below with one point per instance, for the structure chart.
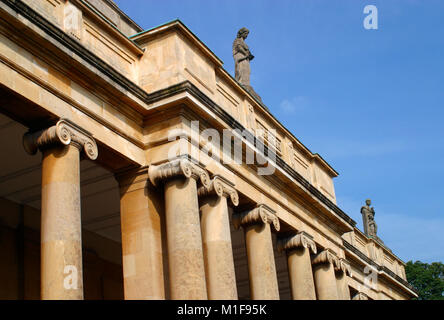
(261, 264)
(342, 272)
(324, 275)
(61, 240)
(140, 210)
(299, 265)
(216, 237)
(184, 238)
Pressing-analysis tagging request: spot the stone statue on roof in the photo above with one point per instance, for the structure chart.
(368, 219)
(242, 57)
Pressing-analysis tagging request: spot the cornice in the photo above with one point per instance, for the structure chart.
(124, 15)
(221, 187)
(190, 88)
(386, 249)
(64, 132)
(89, 10)
(177, 25)
(176, 168)
(360, 254)
(60, 36)
(300, 240)
(264, 109)
(350, 248)
(72, 102)
(261, 214)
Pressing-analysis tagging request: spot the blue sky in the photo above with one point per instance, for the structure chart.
(370, 102)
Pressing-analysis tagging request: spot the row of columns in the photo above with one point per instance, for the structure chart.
(200, 257)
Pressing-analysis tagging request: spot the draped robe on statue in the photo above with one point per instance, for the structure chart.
(241, 54)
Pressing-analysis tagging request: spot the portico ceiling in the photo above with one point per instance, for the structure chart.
(20, 182)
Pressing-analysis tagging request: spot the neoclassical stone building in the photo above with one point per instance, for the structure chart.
(93, 205)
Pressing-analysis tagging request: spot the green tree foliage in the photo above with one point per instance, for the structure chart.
(428, 279)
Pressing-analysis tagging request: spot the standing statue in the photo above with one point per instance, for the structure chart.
(242, 57)
(368, 218)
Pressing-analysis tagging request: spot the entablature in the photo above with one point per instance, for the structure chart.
(376, 251)
(369, 265)
(296, 206)
(173, 54)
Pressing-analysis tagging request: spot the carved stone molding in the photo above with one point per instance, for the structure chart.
(64, 132)
(300, 240)
(177, 168)
(291, 153)
(344, 266)
(325, 257)
(221, 187)
(261, 214)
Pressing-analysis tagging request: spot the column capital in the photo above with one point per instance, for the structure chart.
(344, 266)
(261, 214)
(176, 168)
(326, 257)
(299, 240)
(64, 132)
(360, 296)
(221, 187)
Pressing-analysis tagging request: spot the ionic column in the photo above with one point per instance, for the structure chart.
(298, 249)
(184, 238)
(141, 237)
(216, 237)
(324, 265)
(61, 241)
(261, 264)
(342, 271)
